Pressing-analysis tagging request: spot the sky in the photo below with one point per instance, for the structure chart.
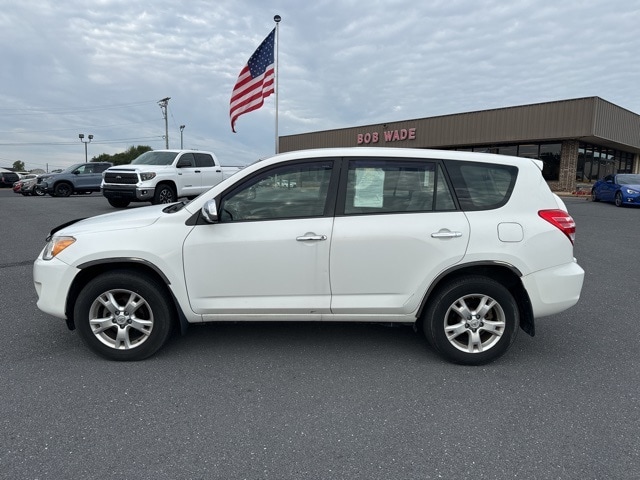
(69, 67)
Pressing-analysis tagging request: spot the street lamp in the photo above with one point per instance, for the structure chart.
(181, 129)
(81, 137)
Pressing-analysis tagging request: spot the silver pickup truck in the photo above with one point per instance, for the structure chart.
(163, 176)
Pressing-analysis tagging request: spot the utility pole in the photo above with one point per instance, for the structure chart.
(181, 130)
(163, 106)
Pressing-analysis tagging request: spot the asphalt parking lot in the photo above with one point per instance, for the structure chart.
(323, 401)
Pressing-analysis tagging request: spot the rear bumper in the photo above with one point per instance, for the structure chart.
(554, 290)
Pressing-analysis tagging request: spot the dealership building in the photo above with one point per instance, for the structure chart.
(579, 140)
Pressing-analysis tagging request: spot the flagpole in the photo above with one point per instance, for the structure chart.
(277, 19)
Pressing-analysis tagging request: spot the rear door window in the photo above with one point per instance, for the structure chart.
(204, 160)
(395, 186)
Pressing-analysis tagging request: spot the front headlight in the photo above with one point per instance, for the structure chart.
(632, 192)
(147, 176)
(56, 245)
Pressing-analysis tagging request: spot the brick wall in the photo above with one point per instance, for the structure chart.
(568, 167)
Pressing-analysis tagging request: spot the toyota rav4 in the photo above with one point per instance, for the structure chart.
(469, 248)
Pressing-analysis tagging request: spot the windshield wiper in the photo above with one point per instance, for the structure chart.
(175, 207)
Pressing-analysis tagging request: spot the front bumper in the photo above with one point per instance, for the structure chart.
(52, 280)
(631, 199)
(127, 192)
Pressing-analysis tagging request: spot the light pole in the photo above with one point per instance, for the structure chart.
(163, 106)
(81, 137)
(181, 129)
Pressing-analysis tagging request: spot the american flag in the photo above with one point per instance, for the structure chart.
(255, 82)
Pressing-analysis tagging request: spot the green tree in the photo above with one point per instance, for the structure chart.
(18, 166)
(124, 157)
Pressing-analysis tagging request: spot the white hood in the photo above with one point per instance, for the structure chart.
(121, 220)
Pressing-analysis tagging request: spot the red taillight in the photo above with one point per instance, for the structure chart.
(562, 220)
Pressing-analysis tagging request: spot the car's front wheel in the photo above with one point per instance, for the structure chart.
(594, 195)
(63, 190)
(164, 194)
(472, 320)
(618, 200)
(118, 202)
(123, 315)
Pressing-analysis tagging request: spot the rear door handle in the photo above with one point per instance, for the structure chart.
(311, 237)
(446, 234)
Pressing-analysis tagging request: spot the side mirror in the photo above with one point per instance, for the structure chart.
(183, 162)
(210, 211)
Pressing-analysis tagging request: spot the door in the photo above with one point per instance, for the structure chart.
(210, 173)
(87, 178)
(269, 253)
(189, 178)
(399, 229)
(607, 188)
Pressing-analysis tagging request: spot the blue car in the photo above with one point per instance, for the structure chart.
(621, 189)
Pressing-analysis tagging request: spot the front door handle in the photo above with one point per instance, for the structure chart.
(311, 237)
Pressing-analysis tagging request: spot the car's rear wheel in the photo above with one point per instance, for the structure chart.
(123, 315)
(63, 189)
(39, 191)
(472, 320)
(164, 194)
(618, 200)
(594, 195)
(118, 202)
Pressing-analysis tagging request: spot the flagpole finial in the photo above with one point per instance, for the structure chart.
(277, 18)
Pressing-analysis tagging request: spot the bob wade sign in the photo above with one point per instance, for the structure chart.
(387, 136)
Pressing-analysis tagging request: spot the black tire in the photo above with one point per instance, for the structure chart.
(118, 202)
(39, 192)
(594, 195)
(63, 189)
(164, 194)
(460, 326)
(122, 315)
(618, 200)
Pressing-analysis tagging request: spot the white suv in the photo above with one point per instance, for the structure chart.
(467, 247)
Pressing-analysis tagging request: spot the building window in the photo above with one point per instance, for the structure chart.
(595, 162)
(508, 150)
(528, 151)
(550, 155)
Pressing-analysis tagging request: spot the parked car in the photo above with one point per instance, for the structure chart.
(17, 186)
(467, 247)
(29, 186)
(621, 189)
(77, 179)
(7, 179)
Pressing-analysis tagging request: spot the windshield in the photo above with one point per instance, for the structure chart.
(628, 179)
(72, 168)
(155, 158)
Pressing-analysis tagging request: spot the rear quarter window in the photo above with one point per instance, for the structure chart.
(481, 186)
